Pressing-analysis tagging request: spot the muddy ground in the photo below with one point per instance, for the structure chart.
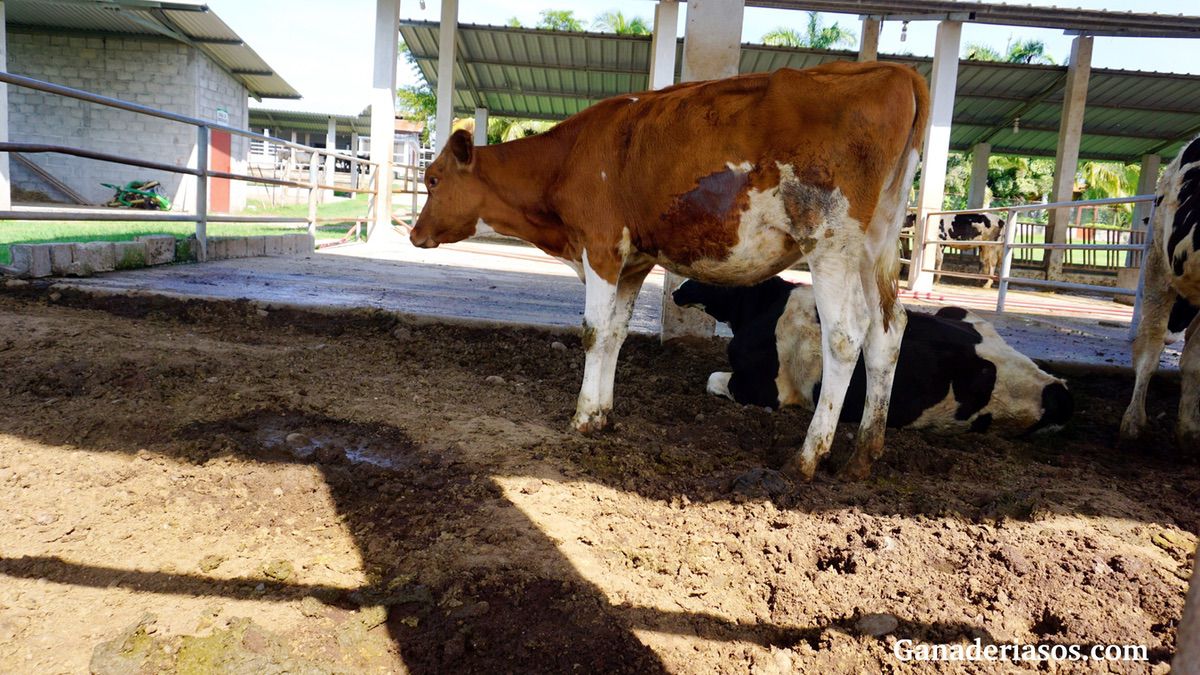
(195, 487)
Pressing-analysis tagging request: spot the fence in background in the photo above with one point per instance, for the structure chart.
(202, 171)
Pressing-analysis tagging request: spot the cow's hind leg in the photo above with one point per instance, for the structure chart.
(1188, 429)
(881, 351)
(1157, 298)
(842, 306)
(607, 309)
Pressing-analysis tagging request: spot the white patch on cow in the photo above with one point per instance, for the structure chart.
(718, 385)
(625, 246)
(767, 241)
(603, 176)
(633, 99)
(743, 167)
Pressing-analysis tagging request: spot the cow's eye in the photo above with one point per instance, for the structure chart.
(433, 181)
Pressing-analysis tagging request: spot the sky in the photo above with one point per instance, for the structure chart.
(326, 55)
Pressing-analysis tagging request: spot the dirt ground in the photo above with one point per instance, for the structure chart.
(196, 487)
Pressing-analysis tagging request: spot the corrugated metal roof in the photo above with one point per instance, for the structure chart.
(309, 121)
(188, 22)
(521, 72)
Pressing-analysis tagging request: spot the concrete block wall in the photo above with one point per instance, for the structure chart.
(88, 258)
(159, 73)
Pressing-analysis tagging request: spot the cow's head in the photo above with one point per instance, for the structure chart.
(456, 195)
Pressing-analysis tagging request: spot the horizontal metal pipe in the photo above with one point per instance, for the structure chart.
(92, 154)
(80, 94)
(1071, 286)
(139, 216)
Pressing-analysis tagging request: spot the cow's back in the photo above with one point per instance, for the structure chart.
(665, 159)
(1178, 219)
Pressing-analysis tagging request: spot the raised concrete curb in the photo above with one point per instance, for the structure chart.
(86, 259)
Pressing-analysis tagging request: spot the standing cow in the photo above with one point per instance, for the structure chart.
(1171, 296)
(973, 227)
(954, 374)
(728, 181)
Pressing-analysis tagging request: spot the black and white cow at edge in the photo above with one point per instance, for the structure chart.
(1171, 297)
(954, 372)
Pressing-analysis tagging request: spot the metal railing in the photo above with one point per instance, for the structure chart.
(1135, 250)
(202, 171)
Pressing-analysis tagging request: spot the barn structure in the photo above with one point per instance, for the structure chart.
(174, 56)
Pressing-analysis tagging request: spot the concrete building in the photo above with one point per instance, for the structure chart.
(178, 57)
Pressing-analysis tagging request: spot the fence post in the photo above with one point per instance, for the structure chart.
(1006, 256)
(1137, 298)
(314, 175)
(416, 186)
(202, 193)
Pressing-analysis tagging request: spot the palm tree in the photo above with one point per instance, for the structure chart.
(560, 19)
(1021, 51)
(504, 129)
(815, 36)
(613, 21)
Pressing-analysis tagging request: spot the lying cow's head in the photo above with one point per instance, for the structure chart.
(456, 195)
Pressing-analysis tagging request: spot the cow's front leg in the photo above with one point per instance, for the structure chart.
(609, 298)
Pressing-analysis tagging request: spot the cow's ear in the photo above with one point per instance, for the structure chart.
(462, 147)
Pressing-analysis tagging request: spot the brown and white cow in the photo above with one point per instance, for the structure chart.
(726, 181)
(1171, 296)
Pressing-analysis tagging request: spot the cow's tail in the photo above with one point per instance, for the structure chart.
(887, 266)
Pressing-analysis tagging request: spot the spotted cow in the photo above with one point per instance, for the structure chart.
(727, 181)
(1171, 297)
(954, 374)
(973, 227)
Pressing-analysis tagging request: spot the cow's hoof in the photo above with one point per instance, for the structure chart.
(800, 470)
(590, 423)
(761, 482)
(1132, 427)
(854, 471)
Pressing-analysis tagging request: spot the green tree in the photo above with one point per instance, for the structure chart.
(560, 19)
(815, 35)
(1021, 51)
(1019, 180)
(613, 21)
(416, 102)
(504, 129)
(514, 22)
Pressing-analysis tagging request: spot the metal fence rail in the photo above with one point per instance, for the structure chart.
(1135, 248)
(201, 171)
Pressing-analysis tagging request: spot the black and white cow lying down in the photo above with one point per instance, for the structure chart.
(1171, 297)
(954, 373)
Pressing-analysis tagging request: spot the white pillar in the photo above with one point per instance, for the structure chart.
(1147, 182)
(383, 116)
(662, 44)
(354, 141)
(330, 144)
(979, 171)
(712, 48)
(5, 180)
(868, 42)
(943, 79)
(1066, 159)
(481, 124)
(447, 34)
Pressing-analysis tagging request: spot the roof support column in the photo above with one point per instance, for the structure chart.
(383, 116)
(662, 44)
(943, 79)
(5, 181)
(868, 42)
(481, 125)
(331, 145)
(1066, 158)
(447, 36)
(712, 48)
(980, 154)
(1147, 183)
